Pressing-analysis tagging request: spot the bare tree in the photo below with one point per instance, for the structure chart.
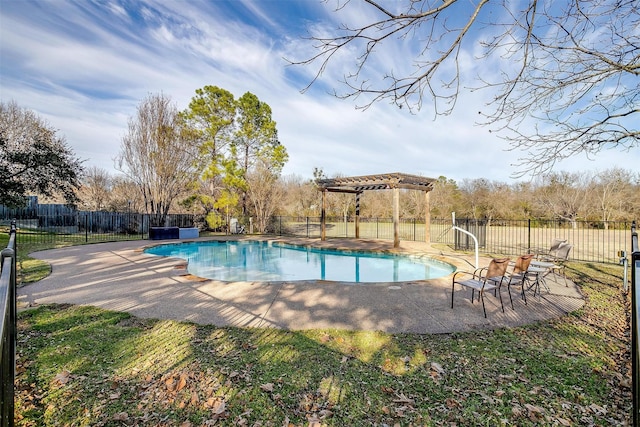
(125, 196)
(301, 197)
(563, 196)
(444, 198)
(95, 190)
(157, 156)
(612, 193)
(265, 192)
(564, 75)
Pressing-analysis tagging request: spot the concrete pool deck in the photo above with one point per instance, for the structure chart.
(119, 276)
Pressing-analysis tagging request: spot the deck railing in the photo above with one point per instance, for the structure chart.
(8, 329)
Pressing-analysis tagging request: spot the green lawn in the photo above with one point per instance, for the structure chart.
(82, 366)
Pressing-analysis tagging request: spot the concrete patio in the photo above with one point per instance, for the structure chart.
(119, 276)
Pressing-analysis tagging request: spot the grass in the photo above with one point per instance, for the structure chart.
(83, 366)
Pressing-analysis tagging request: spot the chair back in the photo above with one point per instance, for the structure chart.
(498, 267)
(563, 252)
(555, 245)
(522, 263)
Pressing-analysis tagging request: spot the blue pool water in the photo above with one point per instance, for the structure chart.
(263, 261)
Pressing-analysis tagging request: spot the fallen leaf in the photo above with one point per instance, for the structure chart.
(121, 416)
(267, 387)
(182, 382)
(386, 389)
(535, 390)
(452, 403)
(437, 368)
(534, 412)
(403, 399)
(62, 378)
(597, 409)
(218, 406)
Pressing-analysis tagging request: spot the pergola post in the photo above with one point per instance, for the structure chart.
(396, 217)
(358, 215)
(323, 225)
(427, 218)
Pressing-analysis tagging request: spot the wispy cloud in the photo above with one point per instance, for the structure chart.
(85, 66)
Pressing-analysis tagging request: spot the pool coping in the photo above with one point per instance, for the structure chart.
(119, 276)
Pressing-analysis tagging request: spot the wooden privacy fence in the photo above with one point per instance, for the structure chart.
(592, 241)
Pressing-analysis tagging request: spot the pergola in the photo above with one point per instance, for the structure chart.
(394, 181)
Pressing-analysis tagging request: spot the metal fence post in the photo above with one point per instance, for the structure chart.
(414, 229)
(9, 332)
(635, 318)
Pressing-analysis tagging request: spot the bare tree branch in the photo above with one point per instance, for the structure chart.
(564, 75)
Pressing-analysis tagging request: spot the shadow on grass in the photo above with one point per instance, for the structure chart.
(86, 366)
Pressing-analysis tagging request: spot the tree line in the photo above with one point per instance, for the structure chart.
(610, 195)
(221, 158)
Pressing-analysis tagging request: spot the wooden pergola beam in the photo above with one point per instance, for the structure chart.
(387, 181)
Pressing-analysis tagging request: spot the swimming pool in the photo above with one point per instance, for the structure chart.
(266, 261)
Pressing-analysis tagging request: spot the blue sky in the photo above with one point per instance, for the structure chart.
(85, 65)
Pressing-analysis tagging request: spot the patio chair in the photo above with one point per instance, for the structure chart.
(484, 279)
(555, 262)
(519, 277)
(552, 253)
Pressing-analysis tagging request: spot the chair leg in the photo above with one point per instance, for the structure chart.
(564, 276)
(453, 285)
(510, 299)
(501, 303)
(481, 297)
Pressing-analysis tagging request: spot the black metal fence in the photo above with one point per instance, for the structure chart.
(86, 226)
(592, 241)
(635, 322)
(8, 329)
